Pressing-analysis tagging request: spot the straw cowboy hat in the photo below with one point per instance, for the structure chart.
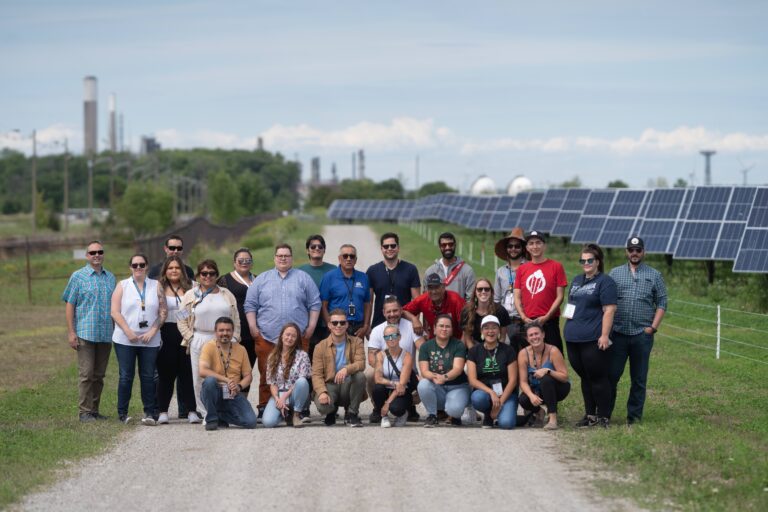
(501, 246)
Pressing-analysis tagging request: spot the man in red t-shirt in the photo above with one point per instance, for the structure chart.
(435, 301)
(539, 289)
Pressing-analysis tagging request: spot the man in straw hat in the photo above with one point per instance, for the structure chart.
(511, 250)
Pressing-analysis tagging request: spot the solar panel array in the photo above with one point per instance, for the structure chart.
(702, 223)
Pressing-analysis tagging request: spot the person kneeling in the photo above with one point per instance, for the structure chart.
(395, 382)
(288, 369)
(224, 379)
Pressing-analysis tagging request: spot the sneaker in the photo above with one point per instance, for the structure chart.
(538, 418)
(385, 423)
(261, 413)
(353, 420)
(375, 417)
(442, 415)
(550, 426)
(304, 417)
(124, 419)
(487, 421)
(413, 414)
(223, 424)
(587, 421)
(456, 422)
(431, 421)
(99, 416)
(330, 419)
(297, 420)
(401, 420)
(87, 417)
(192, 417)
(148, 421)
(162, 419)
(469, 417)
(604, 422)
(211, 425)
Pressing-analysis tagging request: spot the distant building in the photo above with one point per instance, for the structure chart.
(519, 184)
(112, 124)
(483, 186)
(90, 116)
(149, 145)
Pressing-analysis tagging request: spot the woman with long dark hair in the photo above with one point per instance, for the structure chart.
(288, 373)
(479, 306)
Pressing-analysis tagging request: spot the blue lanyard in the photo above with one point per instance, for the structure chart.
(142, 293)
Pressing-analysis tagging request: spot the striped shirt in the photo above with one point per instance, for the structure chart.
(91, 294)
(640, 295)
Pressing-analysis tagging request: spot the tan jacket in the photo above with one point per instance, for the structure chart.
(185, 319)
(324, 361)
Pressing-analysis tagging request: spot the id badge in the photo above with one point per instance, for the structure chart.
(570, 309)
(509, 302)
(351, 310)
(225, 392)
(497, 388)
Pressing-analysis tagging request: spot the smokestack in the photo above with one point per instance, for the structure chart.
(112, 124)
(121, 133)
(361, 165)
(707, 168)
(90, 116)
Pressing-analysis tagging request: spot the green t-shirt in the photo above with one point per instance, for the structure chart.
(317, 273)
(441, 359)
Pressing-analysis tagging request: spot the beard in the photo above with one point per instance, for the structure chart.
(448, 254)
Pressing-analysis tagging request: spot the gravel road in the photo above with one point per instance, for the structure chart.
(182, 467)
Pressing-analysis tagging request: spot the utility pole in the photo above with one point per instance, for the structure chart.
(417, 172)
(34, 181)
(66, 185)
(90, 190)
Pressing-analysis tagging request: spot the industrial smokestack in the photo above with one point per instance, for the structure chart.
(361, 164)
(112, 124)
(90, 116)
(707, 168)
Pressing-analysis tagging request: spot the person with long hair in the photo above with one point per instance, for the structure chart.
(288, 374)
(480, 305)
(173, 363)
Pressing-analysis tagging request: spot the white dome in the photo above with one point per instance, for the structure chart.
(519, 184)
(483, 186)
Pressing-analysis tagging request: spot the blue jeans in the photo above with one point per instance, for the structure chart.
(507, 415)
(127, 356)
(297, 401)
(637, 349)
(451, 398)
(237, 411)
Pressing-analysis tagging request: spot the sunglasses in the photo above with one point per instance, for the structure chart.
(245, 261)
(316, 247)
(483, 289)
(389, 246)
(514, 246)
(349, 256)
(634, 250)
(337, 323)
(94, 253)
(177, 248)
(208, 274)
(587, 261)
(138, 265)
(448, 245)
(390, 337)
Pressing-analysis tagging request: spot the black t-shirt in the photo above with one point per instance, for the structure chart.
(501, 314)
(397, 281)
(492, 365)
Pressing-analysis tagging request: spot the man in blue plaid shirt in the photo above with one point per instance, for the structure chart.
(88, 298)
(641, 306)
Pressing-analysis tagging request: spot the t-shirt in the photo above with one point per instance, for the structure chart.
(441, 359)
(492, 365)
(407, 337)
(239, 365)
(397, 281)
(538, 284)
(452, 304)
(589, 297)
(501, 314)
(317, 273)
(341, 356)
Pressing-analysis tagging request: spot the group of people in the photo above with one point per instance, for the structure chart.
(457, 344)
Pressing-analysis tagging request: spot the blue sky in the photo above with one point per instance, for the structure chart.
(600, 90)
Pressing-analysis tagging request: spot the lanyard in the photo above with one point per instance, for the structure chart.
(510, 279)
(175, 293)
(349, 287)
(229, 358)
(240, 278)
(142, 293)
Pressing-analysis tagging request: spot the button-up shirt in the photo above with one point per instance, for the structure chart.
(90, 292)
(278, 300)
(640, 294)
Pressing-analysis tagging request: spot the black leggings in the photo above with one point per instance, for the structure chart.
(593, 366)
(551, 392)
(173, 361)
(398, 406)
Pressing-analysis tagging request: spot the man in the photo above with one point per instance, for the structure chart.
(88, 298)
(456, 273)
(539, 289)
(639, 312)
(225, 370)
(435, 301)
(277, 297)
(317, 268)
(347, 289)
(409, 341)
(392, 277)
(173, 245)
(511, 250)
(337, 372)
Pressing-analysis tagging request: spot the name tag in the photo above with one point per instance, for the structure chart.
(570, 309)
(497, 388)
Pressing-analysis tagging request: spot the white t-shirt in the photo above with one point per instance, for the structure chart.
(407, 338)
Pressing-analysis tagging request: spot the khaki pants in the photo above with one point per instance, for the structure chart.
(92, 360)
(348, 394)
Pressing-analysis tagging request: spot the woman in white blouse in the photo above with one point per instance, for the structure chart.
(288, 373)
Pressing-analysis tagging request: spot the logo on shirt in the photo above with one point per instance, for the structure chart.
(536, 282)
(358, 284)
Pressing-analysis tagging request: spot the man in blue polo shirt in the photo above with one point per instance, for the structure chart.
(88, 297)
(347, 289)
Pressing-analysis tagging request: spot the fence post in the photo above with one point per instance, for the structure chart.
(29, 270)
(471, 251)
(717, 350)
(482, 255)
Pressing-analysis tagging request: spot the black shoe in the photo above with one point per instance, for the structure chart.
(487, 421)
(442, 415)
(413, 415)
(375, 418)
(124, 418)
(633, 421)
(431, 421)
(211, 425)
(353, 420)
(604, 422)
(100, 417)
(87, 417)
(305, 418)
(223, 424)
(330, 419)
(587, 421)
(456, 422)
(260, 413)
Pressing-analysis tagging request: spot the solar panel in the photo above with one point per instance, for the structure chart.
(530, 210)
(513, 215)
(549, 209)
(661, 214)
(753, 250)
(736, 215)
(622, 218)
(570, 212)
(704, 223)
(497, 217)
(592, 220)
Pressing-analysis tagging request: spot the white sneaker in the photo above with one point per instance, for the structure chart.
(469, 417)
(193, 417)
(149, 421)
(162, 419)
(385, 423)
(401, 420)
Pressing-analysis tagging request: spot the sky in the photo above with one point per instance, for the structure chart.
(601, 90)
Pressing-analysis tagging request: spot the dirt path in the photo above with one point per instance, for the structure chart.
(182, 467)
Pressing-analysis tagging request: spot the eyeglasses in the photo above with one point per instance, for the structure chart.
(208, 274)
(283, 256)
(94, 253)
(337, 323)
(634, 250)
(245, 261)
(177, 248)
(390, 337)
(514, 246)
(138, 265)
(389, 246)
(349, 256)
(483, 289)
(588, 261)
(316, 247)
(448, 245)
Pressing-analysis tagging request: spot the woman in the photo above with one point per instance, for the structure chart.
(589, 313)
(542, 374)
(394, 385)
(443, 384)
(238, 282)
(199, 309)
(288, 374)
(138, 309)
(478, 307)
(173, 362)
(492, 372)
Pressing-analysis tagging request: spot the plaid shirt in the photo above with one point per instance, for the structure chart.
(640, 295)
(91, 294)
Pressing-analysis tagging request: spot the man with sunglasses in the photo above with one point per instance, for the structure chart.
(457, 274)
(348, 289)
(511, 250)
(88, 298)
(392, 277)
(640, 310)
(174, 245)
(317, 268)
